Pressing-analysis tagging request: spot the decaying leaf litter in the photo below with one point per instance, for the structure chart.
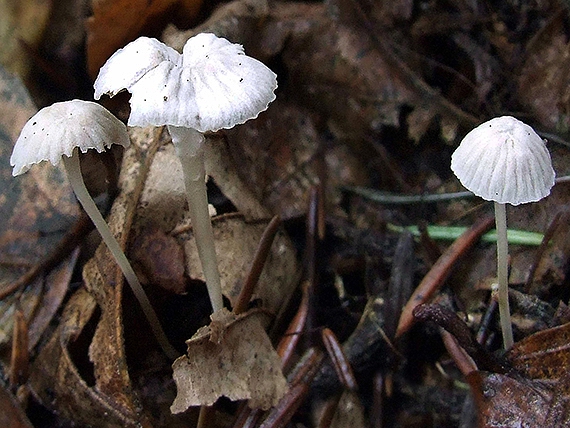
(371, 94)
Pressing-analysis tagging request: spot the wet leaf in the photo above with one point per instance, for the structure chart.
(508, 403)
(543, 83)
(232, 357)
(22, 22)
(281, 155)
(117, 22)
(539, 393)
(36, 209)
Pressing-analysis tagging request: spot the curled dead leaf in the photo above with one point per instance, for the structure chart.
(233, 357)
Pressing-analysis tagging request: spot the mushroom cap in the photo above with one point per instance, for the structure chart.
(505, 161)
(56, 130)
(212, 85)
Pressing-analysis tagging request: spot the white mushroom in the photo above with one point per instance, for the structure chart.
(212, 85)
(57, 133)
(505, 161)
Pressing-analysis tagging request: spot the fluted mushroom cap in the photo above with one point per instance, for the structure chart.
(505, 161)
(56, 130)
(212, 85)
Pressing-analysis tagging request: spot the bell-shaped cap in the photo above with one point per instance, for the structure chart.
(505, 161)
(212, 85)
(56, 130)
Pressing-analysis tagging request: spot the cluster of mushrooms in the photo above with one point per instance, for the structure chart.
(213, 85)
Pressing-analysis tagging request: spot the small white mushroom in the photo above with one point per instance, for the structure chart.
(56, 134)
(504, 161)
(212, 85)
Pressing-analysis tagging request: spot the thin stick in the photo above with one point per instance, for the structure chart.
(76, 179)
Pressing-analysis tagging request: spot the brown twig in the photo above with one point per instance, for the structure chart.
(340, 362)
(311, 259)
(256, 267)
(290, 339)
(462, 360)
(440, 271)
(303, 375)
(449, 321)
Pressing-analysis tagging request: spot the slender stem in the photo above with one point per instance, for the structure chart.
(76, 179)
(502, 274)
(189, 145)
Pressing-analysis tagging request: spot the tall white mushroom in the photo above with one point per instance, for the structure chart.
(57, 133)
(505, 161)
(212, 85)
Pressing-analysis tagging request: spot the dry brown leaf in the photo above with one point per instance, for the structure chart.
(509, 403)
(22, 21)
(237, 21)
(160, 258)
(281, 155)
(61, 386)
(329, 60)
(222, 168)
(57, 287)
(117, 22)
(239, 363)
(236, 242)
(11, 413)
(56, 379)
(544, 82)
(539, 394)
(163, 205)
(36, 209)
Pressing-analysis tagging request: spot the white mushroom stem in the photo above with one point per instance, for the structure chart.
(502, 274)
(76, 179)
(189, 145)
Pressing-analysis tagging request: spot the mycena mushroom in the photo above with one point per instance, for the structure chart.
(505, 161)
(56, 134)
(212, 85)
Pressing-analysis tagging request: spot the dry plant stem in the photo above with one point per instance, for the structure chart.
(76, 179)
(189, 145)
(502, 274)
(20, 357)
(312, 242)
